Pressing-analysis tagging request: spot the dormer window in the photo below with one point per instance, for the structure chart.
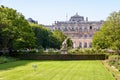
(73, 20)
(80, 28)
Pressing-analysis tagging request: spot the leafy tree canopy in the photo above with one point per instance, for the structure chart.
(109, 34)
(15, 31)
(47, 38)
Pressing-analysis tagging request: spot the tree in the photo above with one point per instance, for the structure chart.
(69, 43)
(47, 38)
(109, 34)
(14, 30)
(60, 37)
(42, 35)
(100, 41)
(54, 42)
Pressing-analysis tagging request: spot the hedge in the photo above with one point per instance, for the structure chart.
(60, 57)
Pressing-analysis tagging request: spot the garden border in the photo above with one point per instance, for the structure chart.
(60, 56)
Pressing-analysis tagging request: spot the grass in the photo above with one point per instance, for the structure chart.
(5, 59)
(54, 70)
(113, 70)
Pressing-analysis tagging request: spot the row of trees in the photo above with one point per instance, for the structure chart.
(47, 39)
(16, 33)
(109, 35)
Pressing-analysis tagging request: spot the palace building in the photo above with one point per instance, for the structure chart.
(80, 30)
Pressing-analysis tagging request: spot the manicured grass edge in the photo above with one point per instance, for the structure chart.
(116, 74)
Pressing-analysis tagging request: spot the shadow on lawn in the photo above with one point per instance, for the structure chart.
(9, 65)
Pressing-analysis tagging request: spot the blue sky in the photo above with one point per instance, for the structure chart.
(48, 11)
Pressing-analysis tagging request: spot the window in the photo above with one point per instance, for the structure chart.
(85, 36)
(80, 35)
(90, 27)
(76, 28)
(69, 28)
(95, 29)
(85, 29)
(65, 29)
(80, 45)
(90, 35)
(72, 29)
(80, 28)
(73, 20)
(78, 21)
(85, 45)
(90, 45)
(59, 29)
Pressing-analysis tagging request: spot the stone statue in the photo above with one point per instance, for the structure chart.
(64, 47)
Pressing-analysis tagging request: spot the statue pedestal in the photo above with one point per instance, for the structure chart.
(64, 51)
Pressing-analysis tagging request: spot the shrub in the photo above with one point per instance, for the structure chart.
(5, 59)
(85, 51)
(51, 51)
(115, 61)
(33, 51)
(40, 49)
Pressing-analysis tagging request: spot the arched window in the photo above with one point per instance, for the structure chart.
(65, 29)
(59, 28)
(90, 45)
(80, 45)
(85, 45)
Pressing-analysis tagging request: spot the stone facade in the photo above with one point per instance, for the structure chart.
(80, 30)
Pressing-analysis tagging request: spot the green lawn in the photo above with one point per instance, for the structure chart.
(55, 70)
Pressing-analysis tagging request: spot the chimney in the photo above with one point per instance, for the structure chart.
(55, 22)
(86, 19)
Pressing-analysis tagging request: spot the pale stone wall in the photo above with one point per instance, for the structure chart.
(79, 30)
(81, 43)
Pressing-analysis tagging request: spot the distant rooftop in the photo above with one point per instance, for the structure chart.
(76, 18)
